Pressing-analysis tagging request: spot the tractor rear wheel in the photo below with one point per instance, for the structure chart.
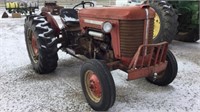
(38, 34)
(98, 85)
(166, 77)
(165, 22)
(189, 36)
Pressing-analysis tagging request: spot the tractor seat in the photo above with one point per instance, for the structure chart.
(69, 17)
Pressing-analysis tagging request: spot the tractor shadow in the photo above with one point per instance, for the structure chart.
(67, 68)
(138, 91)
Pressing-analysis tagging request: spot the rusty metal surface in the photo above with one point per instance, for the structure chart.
(129, 31)
(131, 36)
(151, 26)
(143, 65)
(146, 71)
(157, 51)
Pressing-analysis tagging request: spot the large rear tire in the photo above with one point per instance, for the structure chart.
(166, 77)
(38, 34)
(165, 22)
(190, 36)
(98, 85)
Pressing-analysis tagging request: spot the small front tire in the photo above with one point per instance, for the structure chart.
(98, 85)
(166, 77)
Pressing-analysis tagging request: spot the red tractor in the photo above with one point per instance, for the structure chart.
(110, 38)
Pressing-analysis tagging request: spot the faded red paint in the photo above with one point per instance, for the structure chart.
(53, 23)
(148, 64)
(34, 45)
(146, 60)
(146, 71)
(94, 85)
(113, 15)
(136, 60)
(144, 65)
(116, 13)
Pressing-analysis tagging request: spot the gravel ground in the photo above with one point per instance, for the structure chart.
(23, 90)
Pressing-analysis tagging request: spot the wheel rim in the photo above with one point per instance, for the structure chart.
(93, 86)
(156, 26)
(33, 47)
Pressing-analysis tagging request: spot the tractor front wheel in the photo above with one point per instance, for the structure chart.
(166, 77)
(98, 85)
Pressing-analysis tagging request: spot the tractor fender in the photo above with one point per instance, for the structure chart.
(53, 23)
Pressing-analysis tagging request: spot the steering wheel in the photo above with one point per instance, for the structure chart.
(83, 4)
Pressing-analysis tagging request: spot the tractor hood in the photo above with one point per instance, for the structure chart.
(119, 13)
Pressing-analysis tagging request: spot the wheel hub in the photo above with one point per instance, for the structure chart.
(34, 45)
(156, 26)
(93, 86)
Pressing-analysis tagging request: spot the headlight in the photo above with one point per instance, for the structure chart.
(107, 27)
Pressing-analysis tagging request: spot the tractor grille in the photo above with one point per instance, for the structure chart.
(131, 36)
